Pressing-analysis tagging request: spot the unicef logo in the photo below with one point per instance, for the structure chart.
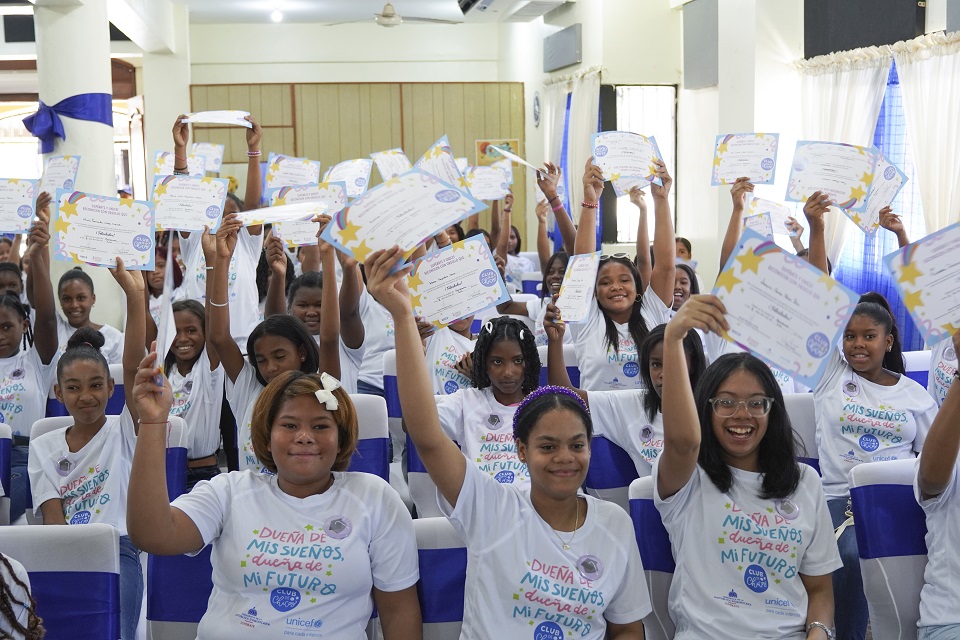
(631, 369)
(213, 211)
(80, 517)
(818, 345)
(548, 631)
(141, 242)
(766, 164)
(504, 477)
(450, 387)
(360, 182)
(338, 527)
(600, 151)
(447, 196)
(869, 443)
(888, 173)
(24, 211)
(68, 184)
(756, 579)
(284, 598)
(488, 277)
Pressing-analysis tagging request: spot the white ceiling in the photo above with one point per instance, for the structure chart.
(258, 11)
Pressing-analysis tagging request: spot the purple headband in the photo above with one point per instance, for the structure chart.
(542, 391)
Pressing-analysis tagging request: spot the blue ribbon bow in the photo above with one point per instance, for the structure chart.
(46, 124)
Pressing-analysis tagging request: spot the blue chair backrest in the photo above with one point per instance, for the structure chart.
(800, 409)
(569, 359)
(443, 574)
(178, 587)
(373, 447)
(657, 556)
(611, 472)
(115, 403)
(6, 448)
(918, 366)
(531, 282)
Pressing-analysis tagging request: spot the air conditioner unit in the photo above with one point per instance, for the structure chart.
(508, 10)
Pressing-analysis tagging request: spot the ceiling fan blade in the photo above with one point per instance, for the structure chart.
(431, 20)
(334, 24)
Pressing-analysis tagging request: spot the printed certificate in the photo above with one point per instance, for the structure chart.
(391, 163)
(776, 213)
(333, 195)
(576, 290)
(282, 213)
(439, 162)
(487, 183)
(220, 117)
(841, 171)
(287, 171)
(626, 154)
(355, 174)
(164, 161)
(96, 229)
(751, 155)
(189, 204)
(17, 205)
(60, 172)
(888, 180)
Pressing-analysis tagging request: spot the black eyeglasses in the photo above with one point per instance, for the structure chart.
(755, 407)
(619, 256)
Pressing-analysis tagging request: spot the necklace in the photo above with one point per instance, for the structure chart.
(566, 545)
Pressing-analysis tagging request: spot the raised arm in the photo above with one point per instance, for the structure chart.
(208, 244)
(543, 241)
(351, 288)
(134, 332)
(681, 422)
(251, 197)
(276, 302)
(502, 237)
(664, 273)
(556, 363)
(797, 229)
(217, 311)
(39, 283)
(586, 240)
(329, 306)
(943, 442)
(643, 237)
(817, 205)
(738, 192)
(154, 525)
(892, 223)
(442, 458)
(548, 181)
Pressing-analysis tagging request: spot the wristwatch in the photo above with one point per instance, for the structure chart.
(820, 625)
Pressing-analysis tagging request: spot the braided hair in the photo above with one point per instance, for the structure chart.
(504, 328)
(11, 300)
(34, 629)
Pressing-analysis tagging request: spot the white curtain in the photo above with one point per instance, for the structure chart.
(552, 117)
(841, 96)
(929, 69)
(584, 121)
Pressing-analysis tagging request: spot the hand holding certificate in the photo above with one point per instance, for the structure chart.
(777, 215)
(626, 154)
(97, 229)
(927, 274)
(283, 213)
(391, 163)
(782, 309)
(842, 172)
(164, 162)
(220, 117)
(888, 180)
(439, 162)
(456, 282)
(753, 155)
(405, 211)
(189, 204)
(355, 174)
(286, 171)
(576, 290)
(17, 201)
(60, 172)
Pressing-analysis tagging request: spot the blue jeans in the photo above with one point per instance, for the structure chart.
(850, 604)
(939, 632)
(19, 480)
(131, 589)
(196, 474)
(369, 389)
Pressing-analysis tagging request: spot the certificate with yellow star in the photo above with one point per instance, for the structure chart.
(405, 211)
(750, 155)
(456, 282)
(782, 309)
(487, 183)
(59, 172)
(163, 163)
(576, 289)
(189, 204)
(211, 153)
(391, 163)
(17, 209)
(621, 154)
(92, 229)
(440, 162)
(355, 174)
(287, 171)
(886, 183)
(844, 172)
(776, 216)
(333, 195)
(927, 275)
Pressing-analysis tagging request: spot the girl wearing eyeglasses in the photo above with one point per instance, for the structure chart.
(748, 524)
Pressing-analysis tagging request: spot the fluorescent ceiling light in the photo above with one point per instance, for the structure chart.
(16, 10)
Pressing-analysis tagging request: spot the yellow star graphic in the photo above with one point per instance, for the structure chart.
(76, 259)
(761, 135)
(721, 148)
(126, 202)
(414, 282)
(951, 328)
(309, 527)
(727, 280)
(206, 180)
(866, 178)
(159, 190)
(361, 251)
(652, 169)
(61, 226)
(13, 180)
(856, 219)
(306, 161)
(909, 273)
(614, 176)
(68, 209)
(279, 202)
(827, 280)
(749, 261)
(912, 299)
(91, 470)
(857, 193)
(270, 175)
(349, 233)
(462, 182)
(392, 182)
(415, 301)
(273, 168)
(716, 161)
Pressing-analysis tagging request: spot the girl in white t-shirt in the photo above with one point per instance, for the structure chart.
(79, 474)
(278, 344)
(449, 354)
(553, 272)
(18, 609)
(622, 314)
(540, 563)
(748, 524)
(306, 550)
(936, 491)
(77, 298)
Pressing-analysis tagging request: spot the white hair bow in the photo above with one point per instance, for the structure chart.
(325, 396)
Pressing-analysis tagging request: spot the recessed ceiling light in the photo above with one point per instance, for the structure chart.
(277, 15)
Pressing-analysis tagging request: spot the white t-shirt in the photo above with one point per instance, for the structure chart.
(24, 385)
(445, 348)
(241, 396)
(619, 416)
(112, 348)
(377, 339)
(748, 585)
(602, 368)
(92, 483)
(537, 310)
(21, 613)
(521, 583)
(484, 430)
(285, 566)
(198, 399)
(943, 366)
(350, 360)
(516, 267)
(859, 421)
(241, 281)
(941, 590)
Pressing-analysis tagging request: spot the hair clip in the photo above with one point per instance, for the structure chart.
(488, 327)
(521, 334)
(325, 396)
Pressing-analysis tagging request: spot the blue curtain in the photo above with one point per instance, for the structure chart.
(861, 262)
(565, 174)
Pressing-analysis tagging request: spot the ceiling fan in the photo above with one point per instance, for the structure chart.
(389, 17)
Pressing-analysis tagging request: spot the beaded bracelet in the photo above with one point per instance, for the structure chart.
(587, 205)
(181, 172)
(553, 198)
(253, 154)
(558, 207)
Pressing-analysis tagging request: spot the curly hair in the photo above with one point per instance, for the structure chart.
(34, 629)
(504, 328)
